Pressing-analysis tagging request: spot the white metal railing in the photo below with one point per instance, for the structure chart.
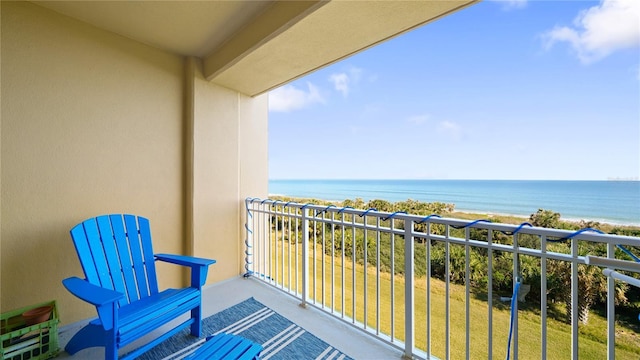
(356, 265)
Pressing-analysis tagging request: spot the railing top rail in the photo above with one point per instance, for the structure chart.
(317, 211)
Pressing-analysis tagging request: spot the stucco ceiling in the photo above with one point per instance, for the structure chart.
(254, 46)
(190, 28)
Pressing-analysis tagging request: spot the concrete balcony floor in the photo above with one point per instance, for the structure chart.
(217, 297)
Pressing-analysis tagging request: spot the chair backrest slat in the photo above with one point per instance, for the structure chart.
(147, 252)
(81, 244)
(117, 225)
(113, 259)
(135, 244)
(99, 257)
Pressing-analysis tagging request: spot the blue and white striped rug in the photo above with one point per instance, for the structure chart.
(280, 338)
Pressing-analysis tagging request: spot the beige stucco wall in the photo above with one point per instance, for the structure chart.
(91, 124)
(95, 123)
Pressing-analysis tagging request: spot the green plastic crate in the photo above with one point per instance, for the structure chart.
(21, 342)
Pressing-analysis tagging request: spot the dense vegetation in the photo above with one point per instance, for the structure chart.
(592, 283)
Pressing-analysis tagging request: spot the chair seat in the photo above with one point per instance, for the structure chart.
(228, 347)
(148, 313)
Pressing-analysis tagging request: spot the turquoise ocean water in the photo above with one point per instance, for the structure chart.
(615, 202)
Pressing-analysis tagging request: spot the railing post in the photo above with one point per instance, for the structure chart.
(305, 256)
(516, 278)
(409, 301)
(543, 296)
(611, 308)
(574, 300)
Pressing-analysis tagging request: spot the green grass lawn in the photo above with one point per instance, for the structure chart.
(592, 340)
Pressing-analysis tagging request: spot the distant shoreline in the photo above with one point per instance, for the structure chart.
(476, 214)
(615, 202)
(526, 217)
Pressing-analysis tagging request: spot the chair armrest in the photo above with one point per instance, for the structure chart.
(184, 260)
(199, 266)
(105, 300)
(90, 293)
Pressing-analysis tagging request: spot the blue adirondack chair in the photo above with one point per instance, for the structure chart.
(119, 265)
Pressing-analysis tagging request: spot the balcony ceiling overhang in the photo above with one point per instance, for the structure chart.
(255, 46)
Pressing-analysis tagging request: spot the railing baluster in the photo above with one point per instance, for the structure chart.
(428, 290)
(282, 245)
(258, 237)
(289, 248)
(322, 274)
(378, 277)
(447, 295)
(574, 300)
(322, 264)
(265, 242)
(268, 259)
(343, 266)
(490, 295)
(315, 245)
(274, 215)
(611, 308)
(516, 274)
(366, 265)
(467, 299)
(393, 275)
(305, 256)
(543, 296)
(296, 252)
(333, 260)
(409, 300)
(256, 240)
(257, 243)
(353, 268)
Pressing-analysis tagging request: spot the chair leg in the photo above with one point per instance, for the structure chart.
(196, 326)
(89, 336)
(110, 351)
(93, 335)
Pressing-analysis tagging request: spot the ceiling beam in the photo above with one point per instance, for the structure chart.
(277, 18)
(326, 34)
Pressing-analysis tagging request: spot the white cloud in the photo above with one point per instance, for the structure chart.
(418, 119)
(600, 30)
(289, 98)
(341, 83)
(451, 129)
(344, 81)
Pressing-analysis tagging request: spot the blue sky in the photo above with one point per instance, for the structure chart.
(500, 90)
